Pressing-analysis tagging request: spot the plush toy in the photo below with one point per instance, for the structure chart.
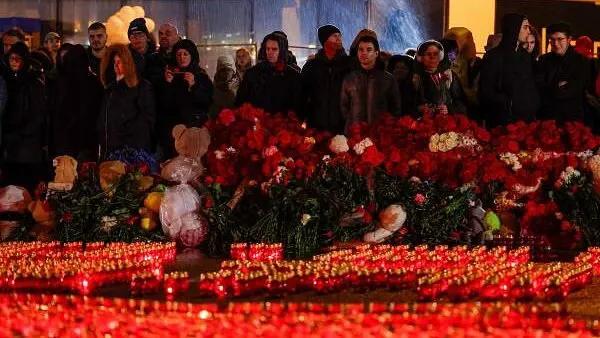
(180, 206)
(110, 172)
(65, 173)
(391, 219)
(191, 144)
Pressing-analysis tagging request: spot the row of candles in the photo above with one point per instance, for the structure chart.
(78, 267)
(76, 316)
(456, 273)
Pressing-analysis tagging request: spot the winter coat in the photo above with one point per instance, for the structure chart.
(367, 94)
(563, 81)
(79, 96)
(441, 87)
(322, 80)
(274, 91)
(94, 62)
(507, 89)
(149, 66)
(187, 105)
(224, 96)
(23, 123)
(126, 116)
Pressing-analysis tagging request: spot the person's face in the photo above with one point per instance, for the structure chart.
(97, 38)
(167, 36)
(272, 50)
(184, 58)
(525, 31)
(431, 58)
(400, 71)
(15, 62)
(139, 42)
(530, 44)
(242, 58)
(52, 44)
(367, 55)
(334, 42)
(8, 41)
(118, 66)
(559, 43)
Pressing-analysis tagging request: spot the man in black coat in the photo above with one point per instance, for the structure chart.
(322, 79)
(507, 88)
(563, 76)
(143, 49)
(272, 85)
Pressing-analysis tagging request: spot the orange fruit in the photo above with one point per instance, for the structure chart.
(153, 200)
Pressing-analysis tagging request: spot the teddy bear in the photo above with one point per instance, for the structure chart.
(180, 206)
(65, 173)
(391, 219)
(191, 144)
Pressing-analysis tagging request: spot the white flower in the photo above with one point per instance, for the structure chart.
(361, 146)
(567, 175)
(339, 144)
(270, 151)
(305, 219)
(219, 154)
(511, 160)
(231, 150)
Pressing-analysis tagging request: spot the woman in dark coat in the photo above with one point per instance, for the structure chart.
(402, 68)
(23, 121)
(127, 113)
(78, 102)
(187, 93)
(188, 90)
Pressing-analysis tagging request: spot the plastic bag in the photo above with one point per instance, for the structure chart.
(182, 169)
(180, 217)
(14, 199)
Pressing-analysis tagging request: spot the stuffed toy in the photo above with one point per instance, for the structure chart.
(191, 144)
(180, 205)
(110, 172)
(391, 219)
(65, 173)
(43, 215)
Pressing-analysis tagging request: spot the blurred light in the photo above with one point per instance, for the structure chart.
(228, 35)
(312, 46)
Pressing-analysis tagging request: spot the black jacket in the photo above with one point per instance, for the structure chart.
(562, 81)
(274, 91)
(507, 88)
(187, 105)
(24, 119)
(440, 87)
(126, 116)
(367, 94)
(79, 96)
(149, 66)
(321, 86)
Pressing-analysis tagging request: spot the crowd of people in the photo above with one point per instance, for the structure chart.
(65, 99)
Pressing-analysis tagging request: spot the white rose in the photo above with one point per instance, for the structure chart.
(339, 144)
(360, 147)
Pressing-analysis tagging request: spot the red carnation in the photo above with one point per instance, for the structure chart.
(372, 156)
(226, 117)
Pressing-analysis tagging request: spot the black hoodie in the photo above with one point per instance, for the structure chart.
(507, 87)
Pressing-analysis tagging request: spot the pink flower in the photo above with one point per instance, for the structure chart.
(420, 199)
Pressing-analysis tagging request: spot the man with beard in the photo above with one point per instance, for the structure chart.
(97, 39)
(322, 79)
(167, 38)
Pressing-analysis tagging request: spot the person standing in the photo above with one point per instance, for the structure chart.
(127, 112)
(402, 69)
(272, 84)
(143, 49)
(97, 38)
(507, 88)
(23, 122)
(168, 36)
(369, 91)
(243, 62)
(437, 87)
(563, 77)
(224, 96)
(322, 79)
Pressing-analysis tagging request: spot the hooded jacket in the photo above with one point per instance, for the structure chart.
(274, 88)
(507, 89)
(188, 105)
(24, 119)
(322, 85)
